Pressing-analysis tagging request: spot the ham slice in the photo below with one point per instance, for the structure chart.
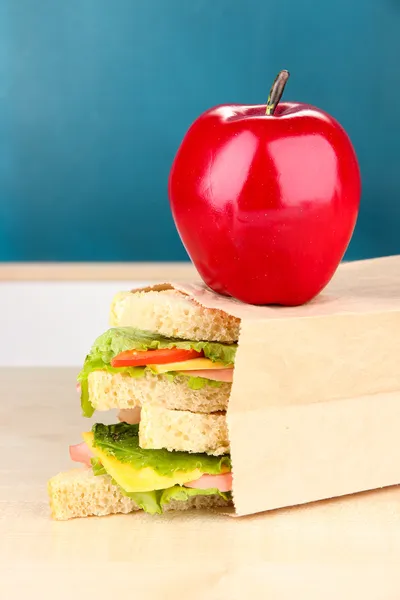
(81, 453)
(222, 482)
(130, 415)
(225, 375)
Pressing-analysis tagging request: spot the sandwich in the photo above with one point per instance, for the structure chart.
(166, 365)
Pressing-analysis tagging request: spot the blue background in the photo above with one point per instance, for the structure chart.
(96, 95)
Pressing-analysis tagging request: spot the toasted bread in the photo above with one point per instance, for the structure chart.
(173, 314)
(183, 430)
(79, 493)
(120, 390)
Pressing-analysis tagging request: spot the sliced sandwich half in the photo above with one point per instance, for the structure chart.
(171, 448)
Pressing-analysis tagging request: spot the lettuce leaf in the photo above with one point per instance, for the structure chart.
(154, 502)
(195, 383)
(119, 339)
(122, 442)
(98, 468)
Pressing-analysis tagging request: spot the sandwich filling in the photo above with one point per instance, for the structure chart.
(152, 478)
(134, 352)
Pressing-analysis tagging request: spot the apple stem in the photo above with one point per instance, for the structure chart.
(276, 91)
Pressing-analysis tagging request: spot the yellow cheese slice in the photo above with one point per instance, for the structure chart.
(138, 480)
(196, 364)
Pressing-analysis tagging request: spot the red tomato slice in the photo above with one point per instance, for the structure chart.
(141, 358)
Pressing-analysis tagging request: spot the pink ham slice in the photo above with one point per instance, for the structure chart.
(130, 415)
(222, 482)
(225, 375)
(81, 453)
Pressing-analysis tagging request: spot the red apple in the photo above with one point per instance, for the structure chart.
(265, 199)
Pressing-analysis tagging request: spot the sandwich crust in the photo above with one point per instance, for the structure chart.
(173, 314)
(183, 431)
(79, 493)
(120, 390)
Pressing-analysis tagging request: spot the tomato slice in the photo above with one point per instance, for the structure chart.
(141, 358)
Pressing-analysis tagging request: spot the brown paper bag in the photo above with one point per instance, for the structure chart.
(314, 411)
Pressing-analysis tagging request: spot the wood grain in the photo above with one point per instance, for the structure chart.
(346, 548)
(147, 271)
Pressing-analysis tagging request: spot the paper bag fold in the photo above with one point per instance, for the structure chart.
(314, 411)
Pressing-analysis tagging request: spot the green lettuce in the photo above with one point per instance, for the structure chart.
(119, 339)
(155, 501)
(195, 383)
(122, 442)
(98, 468)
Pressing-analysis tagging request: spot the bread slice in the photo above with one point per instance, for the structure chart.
(79, 493)
(173, 314)
(120, 390)
(183, 430)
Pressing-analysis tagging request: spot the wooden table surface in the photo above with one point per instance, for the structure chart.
(347, 548)
(111, 271)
